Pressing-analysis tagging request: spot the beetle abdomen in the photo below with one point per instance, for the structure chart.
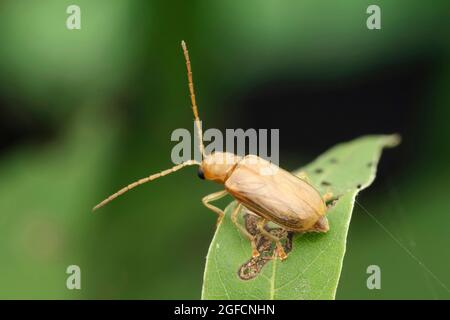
(280, 197)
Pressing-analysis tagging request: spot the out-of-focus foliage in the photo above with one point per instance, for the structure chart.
(105, 99)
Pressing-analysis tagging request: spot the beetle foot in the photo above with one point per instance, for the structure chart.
(304, 176)
(327, 197)
(219, 220)
(280, 251)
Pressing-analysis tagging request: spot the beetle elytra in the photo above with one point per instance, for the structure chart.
(282, 198)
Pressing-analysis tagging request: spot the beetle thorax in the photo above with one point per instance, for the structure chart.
(218, 166)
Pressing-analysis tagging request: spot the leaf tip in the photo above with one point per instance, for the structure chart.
(393, 140)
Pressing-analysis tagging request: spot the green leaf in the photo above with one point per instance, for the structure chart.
(314, 264)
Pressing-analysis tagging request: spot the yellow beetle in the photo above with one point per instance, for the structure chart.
(263, 188)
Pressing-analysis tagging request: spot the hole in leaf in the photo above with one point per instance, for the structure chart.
(332, 202)
(325, 183)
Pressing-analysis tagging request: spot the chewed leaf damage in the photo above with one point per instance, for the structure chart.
(252, 267)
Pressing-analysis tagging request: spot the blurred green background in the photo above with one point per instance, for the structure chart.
(84, 112)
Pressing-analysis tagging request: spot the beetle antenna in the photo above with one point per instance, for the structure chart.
(145, 180)
(192, 94)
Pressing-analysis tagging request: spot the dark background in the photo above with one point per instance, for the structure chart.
(84, 112)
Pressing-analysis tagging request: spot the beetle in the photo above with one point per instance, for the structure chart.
(280, 197)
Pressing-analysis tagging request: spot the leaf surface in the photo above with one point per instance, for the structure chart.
(313, 267)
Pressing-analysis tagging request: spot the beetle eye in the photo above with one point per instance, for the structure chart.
(200, 173)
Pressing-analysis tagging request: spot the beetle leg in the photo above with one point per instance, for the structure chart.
(304, 176)
(281, 253)
(234, 218)
(213, 197)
